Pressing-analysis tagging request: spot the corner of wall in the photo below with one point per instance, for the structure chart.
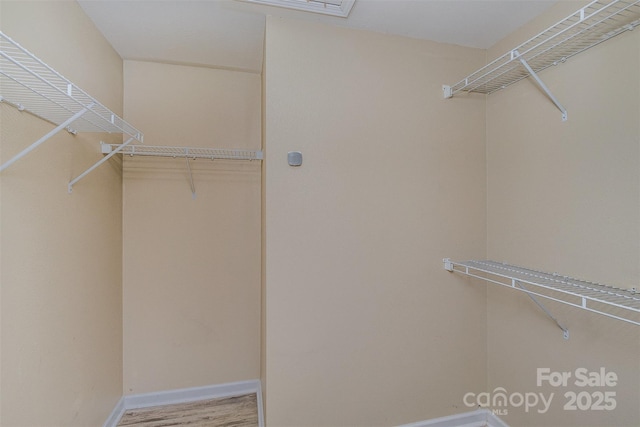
(263, 242)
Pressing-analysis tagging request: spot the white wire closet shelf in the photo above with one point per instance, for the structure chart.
(595, 23)
(186, 152)
(617, 303)
(30, 85)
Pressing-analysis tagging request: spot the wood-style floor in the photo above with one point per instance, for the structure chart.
(241, 411)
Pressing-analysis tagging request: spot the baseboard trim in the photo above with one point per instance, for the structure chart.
(478, 418)
(168, 397)
(116, 414)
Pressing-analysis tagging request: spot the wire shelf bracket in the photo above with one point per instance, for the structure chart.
(188, 153)
(609, 301)
(565, 331)
(30, 85)
(595, 23)
(543, 86)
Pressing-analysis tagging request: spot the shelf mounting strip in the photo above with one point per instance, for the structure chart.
(617, 303)
(600, 20)
(30, 85)
(188, 153)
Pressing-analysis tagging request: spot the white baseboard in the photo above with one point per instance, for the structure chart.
(116, 414)
(168, 397)
(477, 418)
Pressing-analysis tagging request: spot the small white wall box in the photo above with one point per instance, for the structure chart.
(294, 158)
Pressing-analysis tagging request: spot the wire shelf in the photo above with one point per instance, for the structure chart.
(184, 152)
(589, 26)
(29, 84)
(606, 300)
(188, 153)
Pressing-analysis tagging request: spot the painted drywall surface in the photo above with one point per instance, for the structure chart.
(191, 266)
(61, 254)
(565, 197)
(363, 325)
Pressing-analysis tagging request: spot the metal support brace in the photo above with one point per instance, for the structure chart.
(36, 144)
(450, 266)
(544, 87)
(565, 331)
(193, 187)
(101, 161)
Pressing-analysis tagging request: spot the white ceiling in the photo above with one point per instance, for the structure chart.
(230, 33)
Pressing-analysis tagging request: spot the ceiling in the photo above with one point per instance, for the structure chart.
(229, 34)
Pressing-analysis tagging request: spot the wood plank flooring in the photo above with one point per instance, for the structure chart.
(240, 411)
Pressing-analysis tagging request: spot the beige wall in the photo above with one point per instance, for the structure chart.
(363, 325)
(360, 323)
(61, 254)
(565, 197)
(191, 266)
